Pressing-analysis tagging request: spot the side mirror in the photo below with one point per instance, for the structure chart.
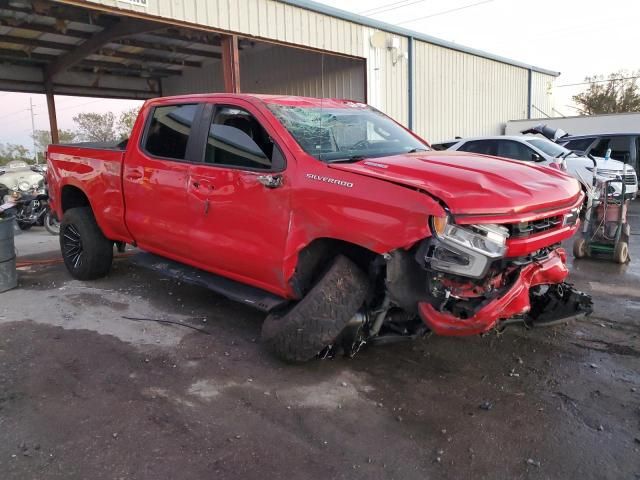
(535, 157)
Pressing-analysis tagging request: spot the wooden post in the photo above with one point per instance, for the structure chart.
(51, 108)
(231, 64)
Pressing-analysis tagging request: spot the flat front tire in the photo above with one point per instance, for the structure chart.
(87, 253)
(300, 333)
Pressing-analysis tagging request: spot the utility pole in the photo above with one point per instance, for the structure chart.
(33, 129)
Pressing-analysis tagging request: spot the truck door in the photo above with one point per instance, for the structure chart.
(155, 178)
(239, 197)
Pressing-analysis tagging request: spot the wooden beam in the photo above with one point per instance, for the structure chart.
(107, 52)
(121, 29)
(145, 57)
(80, 34)
(77, 89)
(231, 64)
(22, 57)
(51, 108)
(134, 42)
(123, 67)
(37, 43)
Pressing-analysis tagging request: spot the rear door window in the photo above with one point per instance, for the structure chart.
(485, 147)
(169, 129)
(579, 144)
(620, 148)
(515, 150)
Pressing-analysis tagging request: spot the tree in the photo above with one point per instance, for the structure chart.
(42, 138)
(95, 127)
(10, 152)
(126, 121)
(618, 94)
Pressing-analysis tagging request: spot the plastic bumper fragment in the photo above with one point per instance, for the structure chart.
(515, 301)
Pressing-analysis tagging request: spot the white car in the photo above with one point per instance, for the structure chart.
(536, 149)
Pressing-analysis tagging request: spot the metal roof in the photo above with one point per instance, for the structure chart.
(128, 57)
(355, 18)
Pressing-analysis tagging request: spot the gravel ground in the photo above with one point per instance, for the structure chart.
(87, 394)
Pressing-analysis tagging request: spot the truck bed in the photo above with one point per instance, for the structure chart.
(94, 171)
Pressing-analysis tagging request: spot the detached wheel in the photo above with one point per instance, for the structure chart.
(621, 252)
(300, 333)
(580, 248)
(87, 253)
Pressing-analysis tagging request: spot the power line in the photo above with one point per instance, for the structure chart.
(464, 7)
(598, 81)
(390, 6)
(83, 104)
(17, 112)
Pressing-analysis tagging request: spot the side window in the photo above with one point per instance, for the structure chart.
(515, 150)
(237, 139)
(600, 148)
(579, 144)
(168, 131)
(621, 149)
(485, 147)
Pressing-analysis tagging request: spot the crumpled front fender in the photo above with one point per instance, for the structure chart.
(515, 301)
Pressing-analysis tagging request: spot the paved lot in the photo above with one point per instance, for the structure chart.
(87, 394)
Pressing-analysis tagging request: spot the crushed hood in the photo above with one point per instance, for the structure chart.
(472, 184)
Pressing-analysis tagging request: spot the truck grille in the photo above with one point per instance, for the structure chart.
(629, 178)
(525, 229)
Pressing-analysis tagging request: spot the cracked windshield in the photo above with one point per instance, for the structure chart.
(350, 133)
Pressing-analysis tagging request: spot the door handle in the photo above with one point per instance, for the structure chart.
(202, 185)
(271, 181)
(135, 174)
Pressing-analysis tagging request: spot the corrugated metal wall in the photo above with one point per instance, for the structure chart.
(458, 94)
(541, 95)
(285, 70)
(277, 69)
(273, 20)
(207, 79)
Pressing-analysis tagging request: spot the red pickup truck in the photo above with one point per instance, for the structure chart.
(347, 225)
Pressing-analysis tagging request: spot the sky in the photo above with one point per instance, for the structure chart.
(575, 37)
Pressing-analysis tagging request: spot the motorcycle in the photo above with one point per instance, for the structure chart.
(31, 203)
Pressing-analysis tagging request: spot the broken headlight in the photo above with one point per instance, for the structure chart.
(466, 250)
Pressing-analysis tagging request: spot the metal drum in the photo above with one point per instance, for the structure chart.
(8, 276)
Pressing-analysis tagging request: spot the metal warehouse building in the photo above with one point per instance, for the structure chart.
(145, 48)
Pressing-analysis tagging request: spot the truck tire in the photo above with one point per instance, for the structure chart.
(300, 333)
(87, 253)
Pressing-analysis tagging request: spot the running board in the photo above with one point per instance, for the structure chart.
(236, 291)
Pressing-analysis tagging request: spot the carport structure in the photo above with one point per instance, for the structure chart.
(144, 48)
(55, 48)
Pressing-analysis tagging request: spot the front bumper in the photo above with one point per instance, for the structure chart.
(515, 301)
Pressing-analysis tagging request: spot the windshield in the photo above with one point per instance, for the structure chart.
(549, 148)
(352, 132)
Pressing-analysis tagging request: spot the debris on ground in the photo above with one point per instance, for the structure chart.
(486, 405)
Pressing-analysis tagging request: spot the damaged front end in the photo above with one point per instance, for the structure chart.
(473, 286)
(461, 280)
